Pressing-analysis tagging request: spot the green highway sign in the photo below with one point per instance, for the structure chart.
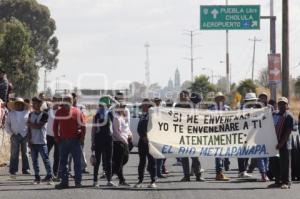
(230, 17)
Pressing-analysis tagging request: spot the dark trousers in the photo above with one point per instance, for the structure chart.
(242, 164)
(120, 158)
(280, 166)
(196, 166)
(67, 147)
(50, 144)
(144, 154)
(104, 150)
(17, 142)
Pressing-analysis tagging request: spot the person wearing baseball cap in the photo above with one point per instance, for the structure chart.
(284, 123)
(69, 131)
(102, 141)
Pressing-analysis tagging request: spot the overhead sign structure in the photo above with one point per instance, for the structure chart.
(230, 17)
(274, 61)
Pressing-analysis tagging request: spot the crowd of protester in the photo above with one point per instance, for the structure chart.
(61, 125)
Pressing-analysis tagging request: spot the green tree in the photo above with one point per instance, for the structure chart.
(16, 57)
(246, 86)
(202, 85)
(42, 27)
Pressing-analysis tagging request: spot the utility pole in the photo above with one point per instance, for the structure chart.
(285, 48)
(45, 80)
(192, 34)
(227, 60)
(253, 58)
(147, 65)
(273, 86)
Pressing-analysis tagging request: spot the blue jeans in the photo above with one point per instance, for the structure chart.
(42, 149)
(66, 147)
(262, 164)
(159, 165)
(16, 142)
(220, 163)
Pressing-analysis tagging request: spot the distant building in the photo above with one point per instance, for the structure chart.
(177, 84)
(170, 84)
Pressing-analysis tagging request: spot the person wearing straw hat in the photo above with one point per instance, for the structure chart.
(220, 162)
(16, 127)
(102, 141)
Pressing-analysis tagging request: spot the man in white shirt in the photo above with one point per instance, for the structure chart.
(16, 127)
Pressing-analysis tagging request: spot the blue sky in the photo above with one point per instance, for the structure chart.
(100, 38)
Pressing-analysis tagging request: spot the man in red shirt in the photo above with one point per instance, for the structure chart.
(69, 131)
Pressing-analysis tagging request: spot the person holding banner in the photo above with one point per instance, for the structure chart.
(143, 147)
(160, 163)
(283, 124)
(262, 163)
(219, 162)
(186, 103)
(250, 101)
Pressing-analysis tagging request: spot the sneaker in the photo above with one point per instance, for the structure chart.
(56, 179)
(103, 176)
(200, 179)
(274, 185)
(27, 172)
(138, 185)
(13, 175)
(96, 184)
(264, 178)
(61, 186)
(162, 176)
(124, 184)
(48, 180)
(165, 171)
(221, 177)
(36, 181)
(285, 186)
(110, 184)
(84, 171)
(244, 175)
(185, 179)
(152, 185)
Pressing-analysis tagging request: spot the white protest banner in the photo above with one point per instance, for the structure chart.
(177, 132)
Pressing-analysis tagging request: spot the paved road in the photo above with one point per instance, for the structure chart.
(167, 188)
